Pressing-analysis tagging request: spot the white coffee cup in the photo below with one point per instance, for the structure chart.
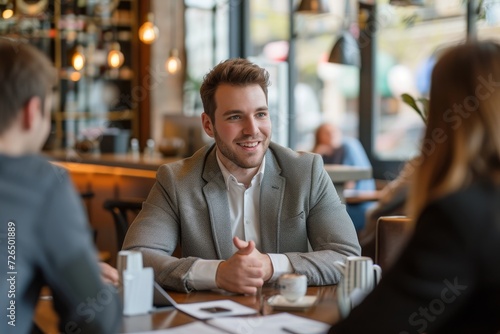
(292, 286)
(359, 272)
(360, 277)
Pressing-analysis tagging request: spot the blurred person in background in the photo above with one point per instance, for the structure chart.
(335, 148)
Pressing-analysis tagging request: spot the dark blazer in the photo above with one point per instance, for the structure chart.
(189, 204)
(448, 278)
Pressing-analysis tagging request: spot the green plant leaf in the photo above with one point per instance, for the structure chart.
(425, 107)
(409, 100)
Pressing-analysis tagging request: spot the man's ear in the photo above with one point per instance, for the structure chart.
(207, 124)
(31, 111)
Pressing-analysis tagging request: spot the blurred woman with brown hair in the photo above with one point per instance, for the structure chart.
(447, 280)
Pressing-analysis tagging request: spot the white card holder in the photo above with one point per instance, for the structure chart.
(137, 292)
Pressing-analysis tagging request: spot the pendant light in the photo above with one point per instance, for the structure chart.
(173, 64)
(345, 51)
(115, 56)
(8, 12)
(78, 58)
(149, 32)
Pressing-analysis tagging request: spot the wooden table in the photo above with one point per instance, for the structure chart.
(344, 173)
(340, 174)
(353, 196)
(325, 309)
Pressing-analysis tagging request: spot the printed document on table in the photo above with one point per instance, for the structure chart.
(203, 310)
(215, 309)
(276, 323)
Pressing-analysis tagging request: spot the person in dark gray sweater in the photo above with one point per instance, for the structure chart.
(45, 238)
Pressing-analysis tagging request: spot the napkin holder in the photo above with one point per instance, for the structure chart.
(137, 291)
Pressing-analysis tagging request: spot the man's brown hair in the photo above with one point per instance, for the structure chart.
(235, 72)
(25, 72)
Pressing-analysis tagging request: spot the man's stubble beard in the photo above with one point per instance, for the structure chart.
(231, 156)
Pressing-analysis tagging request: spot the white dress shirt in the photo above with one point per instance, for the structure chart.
(245, 224)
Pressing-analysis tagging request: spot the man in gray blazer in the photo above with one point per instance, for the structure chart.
(244, 210)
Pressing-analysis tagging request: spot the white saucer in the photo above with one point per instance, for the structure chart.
(279, 302)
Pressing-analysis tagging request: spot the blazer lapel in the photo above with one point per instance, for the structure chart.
(271, 197)
(218, 207)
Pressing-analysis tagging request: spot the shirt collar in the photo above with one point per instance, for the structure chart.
(228, 176)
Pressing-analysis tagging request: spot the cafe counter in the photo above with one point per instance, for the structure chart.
(99, 177)
(129, 160)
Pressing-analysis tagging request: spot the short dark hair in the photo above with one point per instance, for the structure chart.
(25, 72)
(235, 72)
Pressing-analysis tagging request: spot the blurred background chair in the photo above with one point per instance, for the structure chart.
(87, 197)
(391, 202)
(392, 233)
(122, 210)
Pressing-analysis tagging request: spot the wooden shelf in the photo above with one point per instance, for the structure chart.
(57, 32)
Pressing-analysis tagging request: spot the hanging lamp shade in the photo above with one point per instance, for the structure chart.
(345, 51)
(173, 65)
(313, 7)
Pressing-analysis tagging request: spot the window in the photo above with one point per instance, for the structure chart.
(207, 44)
(408, 41)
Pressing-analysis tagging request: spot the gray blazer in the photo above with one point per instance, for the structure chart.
(188, 205)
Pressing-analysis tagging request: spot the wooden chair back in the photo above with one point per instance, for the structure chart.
(391, 235)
